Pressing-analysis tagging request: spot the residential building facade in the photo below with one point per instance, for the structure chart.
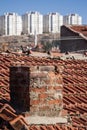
(10, 24)
(72, 19)
(52, 23)
(32, 23)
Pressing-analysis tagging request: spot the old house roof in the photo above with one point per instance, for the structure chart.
(74, 92)
(80, 29)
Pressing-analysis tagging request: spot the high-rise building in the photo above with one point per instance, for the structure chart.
(52, 23)
(10, 24)
(32, 23)
(72, 19)
(2, 25)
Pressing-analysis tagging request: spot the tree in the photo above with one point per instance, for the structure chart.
(46, 45)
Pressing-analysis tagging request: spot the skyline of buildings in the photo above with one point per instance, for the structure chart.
(35, 23)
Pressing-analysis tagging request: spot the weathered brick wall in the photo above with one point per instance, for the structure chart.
(45, 91)
(19, 87)
(42, 95)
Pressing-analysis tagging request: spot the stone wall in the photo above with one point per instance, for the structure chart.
(37, 89)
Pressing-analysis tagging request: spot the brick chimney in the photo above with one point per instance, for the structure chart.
(37, 90)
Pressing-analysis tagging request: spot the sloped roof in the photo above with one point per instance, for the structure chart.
(74, 90)
(80, 29)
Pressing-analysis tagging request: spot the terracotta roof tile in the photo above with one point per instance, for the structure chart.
(75, 87)
(81, 29)
(19, 123)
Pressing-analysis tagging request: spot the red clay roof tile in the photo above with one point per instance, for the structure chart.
(74, 78)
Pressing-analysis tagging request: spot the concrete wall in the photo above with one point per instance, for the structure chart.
(71, 44)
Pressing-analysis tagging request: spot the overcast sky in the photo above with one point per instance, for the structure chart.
(45, 6)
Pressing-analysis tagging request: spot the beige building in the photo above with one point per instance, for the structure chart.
(10, 24)
(52, 23)
(72, 19)
(32, 23)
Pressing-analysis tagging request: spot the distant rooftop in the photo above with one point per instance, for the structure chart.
(80, 28)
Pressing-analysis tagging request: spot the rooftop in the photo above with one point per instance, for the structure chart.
(81, 29)
(74, 91)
